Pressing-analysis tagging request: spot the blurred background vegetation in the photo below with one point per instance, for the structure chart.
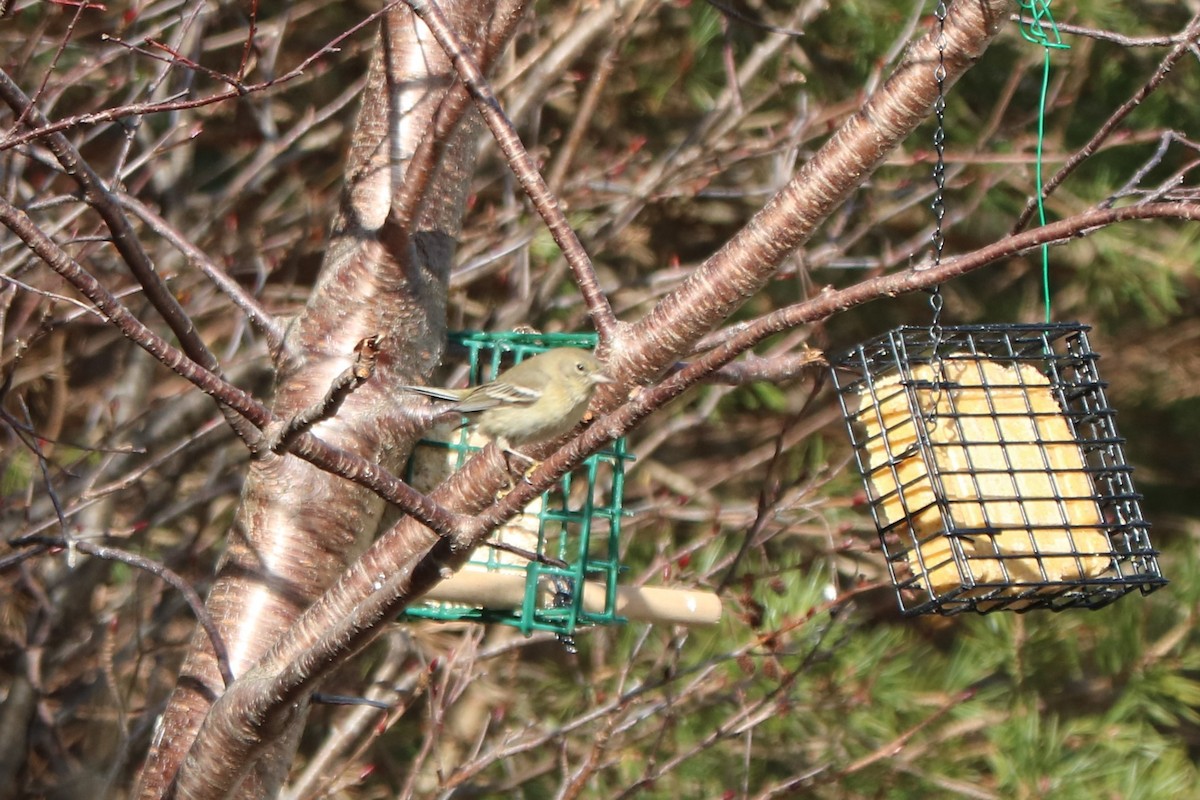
(813, 685)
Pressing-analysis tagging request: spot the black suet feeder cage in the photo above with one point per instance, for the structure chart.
(994, 470)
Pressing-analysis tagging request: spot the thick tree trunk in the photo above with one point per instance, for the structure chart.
(385, 275)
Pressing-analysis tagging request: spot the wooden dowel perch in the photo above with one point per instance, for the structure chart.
(641, 604)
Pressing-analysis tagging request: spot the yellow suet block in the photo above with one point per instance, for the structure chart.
(1017, 495)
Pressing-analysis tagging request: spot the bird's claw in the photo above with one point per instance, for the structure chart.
(525, 476)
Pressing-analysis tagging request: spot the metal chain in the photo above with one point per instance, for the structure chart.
(938, 206)
(938, 238)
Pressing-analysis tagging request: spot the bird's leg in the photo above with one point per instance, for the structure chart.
(507, 450)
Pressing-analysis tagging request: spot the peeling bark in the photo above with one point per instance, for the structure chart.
(384, 275)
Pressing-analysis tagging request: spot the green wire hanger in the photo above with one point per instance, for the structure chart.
(1039, 28)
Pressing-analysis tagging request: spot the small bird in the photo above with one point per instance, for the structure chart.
(541, 398)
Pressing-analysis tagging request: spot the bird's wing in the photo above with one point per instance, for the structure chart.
(495, 394)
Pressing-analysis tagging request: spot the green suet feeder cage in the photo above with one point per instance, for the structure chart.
(994, 470)
(574, 529)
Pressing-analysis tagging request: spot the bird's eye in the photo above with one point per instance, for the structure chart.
(580, 366)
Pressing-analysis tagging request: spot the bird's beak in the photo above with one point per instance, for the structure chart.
(600, 377)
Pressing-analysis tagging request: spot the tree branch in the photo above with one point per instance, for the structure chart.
(753, 255)
(279, 437)
(834, 301)
(1186, 43)
(161, 571)
(523, 167)
(266, 323)
(99, 197)
(308, 447)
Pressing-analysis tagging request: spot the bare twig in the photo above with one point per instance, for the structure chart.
(124, 239)
(732, 12)
(773, 369)
(1186, 41)
(1113, 36)
(587, 107)
(266, 323)
(280, 436)
(28, 436)
(890, 749)
(142, 109)
(1131, 186)
(58, 298)
(167, 575)
(306, 446)
(523, 167)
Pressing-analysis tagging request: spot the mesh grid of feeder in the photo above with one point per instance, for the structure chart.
(994, 470)
(575, 529)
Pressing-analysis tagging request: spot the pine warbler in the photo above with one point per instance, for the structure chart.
(541, 398)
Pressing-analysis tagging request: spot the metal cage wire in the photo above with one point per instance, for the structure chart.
(993, 469)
